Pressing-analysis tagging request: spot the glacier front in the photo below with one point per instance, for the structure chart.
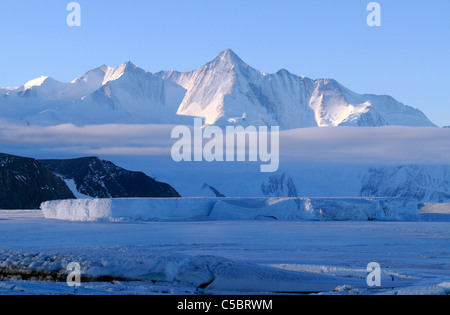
(226, 209)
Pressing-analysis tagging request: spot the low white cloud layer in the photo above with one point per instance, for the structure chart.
(385, 145)
(382, 145)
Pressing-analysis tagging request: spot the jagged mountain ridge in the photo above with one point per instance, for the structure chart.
(26, 183)
(423, 183)
(97, 178)
(420, 182)
(224, 91)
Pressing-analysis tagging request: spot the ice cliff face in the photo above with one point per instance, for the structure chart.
(224, 91)
(223, 209)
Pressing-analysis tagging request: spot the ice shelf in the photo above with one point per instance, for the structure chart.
(225, 209)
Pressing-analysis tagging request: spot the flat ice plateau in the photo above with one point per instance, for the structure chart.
(223, 257)
(222, 209)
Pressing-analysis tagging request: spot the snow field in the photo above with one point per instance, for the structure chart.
(207, 273)
(221, 257)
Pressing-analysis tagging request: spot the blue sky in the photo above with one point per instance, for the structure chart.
(407, 57)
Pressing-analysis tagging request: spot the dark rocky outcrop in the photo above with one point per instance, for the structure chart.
(25, 184)
(102, 179)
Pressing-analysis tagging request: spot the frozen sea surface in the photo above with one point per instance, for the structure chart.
(262, 257)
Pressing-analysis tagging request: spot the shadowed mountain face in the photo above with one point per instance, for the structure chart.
(25, 184)
(422, 183)
(102, 179)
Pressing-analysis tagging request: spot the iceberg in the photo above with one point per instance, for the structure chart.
(232, 209)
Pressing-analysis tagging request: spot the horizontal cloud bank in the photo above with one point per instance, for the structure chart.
(385, 145)
(381, 145)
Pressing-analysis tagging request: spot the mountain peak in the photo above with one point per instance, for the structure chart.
(36, 82)
(130, 64)
(229, 56)
(113, 74)
(283, 72)
(222, 90)
(228, 53)
(94, 75)
(127, 66)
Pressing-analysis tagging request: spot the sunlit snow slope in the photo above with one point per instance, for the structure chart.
(224, 91)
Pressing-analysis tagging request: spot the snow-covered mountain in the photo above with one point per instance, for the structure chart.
(419, 182)
(423, 183)
(224, 91)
